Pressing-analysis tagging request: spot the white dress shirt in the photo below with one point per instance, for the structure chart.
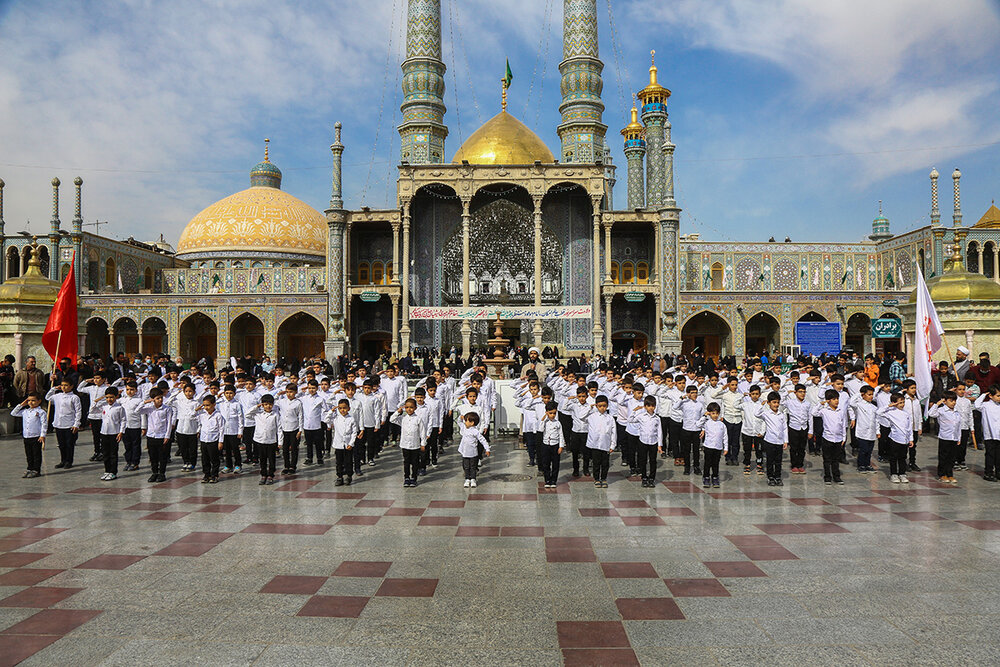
(34, 421)
(412, 429)
(157, 420)
(716, 435)
(67, 408)
(211, 427)
(949, 422)
(602, 433)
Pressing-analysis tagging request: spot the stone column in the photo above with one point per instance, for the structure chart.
(404, 331)
(111, 342)
(395, 324)
(608, 298)
(466, 220)
(979, 257)
(18, 351)
(395, 252)
(140, 340)
(996, 268)
(595, 201)
(607, 249)
(669, 296)
(536, 333)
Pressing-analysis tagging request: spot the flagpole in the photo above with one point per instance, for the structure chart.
(55, 363)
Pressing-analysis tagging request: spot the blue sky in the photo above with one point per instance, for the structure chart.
(791, 117)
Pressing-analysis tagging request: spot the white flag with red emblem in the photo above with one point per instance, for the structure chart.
(927, 338)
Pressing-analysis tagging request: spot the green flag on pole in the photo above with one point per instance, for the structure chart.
(509, 76)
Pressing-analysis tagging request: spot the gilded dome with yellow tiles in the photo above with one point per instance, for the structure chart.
(259, 220)
(504, 139)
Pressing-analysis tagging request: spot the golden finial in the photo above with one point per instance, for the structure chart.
(652, 67)
(503, 95)
(266, 142)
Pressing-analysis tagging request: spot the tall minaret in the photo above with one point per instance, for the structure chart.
(335, 344)
(337, 148)
(77, 234)
(956, 216)
(635, 150)
(935, 211)
(54, 225)
(654, 116)
(423, 131)
(581, 131)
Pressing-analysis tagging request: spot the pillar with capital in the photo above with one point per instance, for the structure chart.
(395, 324)
(54, 226)
(466, 221)
(536, 332)
(598, 330)
(669, 224)
(404, 331)
(336, 260)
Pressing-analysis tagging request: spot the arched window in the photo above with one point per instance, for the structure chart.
(363, 273)
(257, 265)
(717, 276)
(148, 278)
(642, 273)
(237, 265)
(43, 260)
(378, 273)
(628, 273)
(110, 279)
(614, 272)
(64, 271)
(220, 265)
(13, 263)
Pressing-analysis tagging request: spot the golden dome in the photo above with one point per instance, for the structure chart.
(32, 287)
(258, 219)
(504, 139)
(990, 219)
(957, 284)
(654, 92)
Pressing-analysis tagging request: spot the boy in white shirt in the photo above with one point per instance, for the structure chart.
(602, 437)
(33, 428)
(185, 405)
(157, 420)
(346, 435)
(751, 431)
(913, 405)
(863, 414)
(472, 439)
(988, 405)
(832, 435)
(551, 444)
(412, 439)
(133, 426)
(900, 422)
(112, 432)
(232, 412)
(211, 435)
(775, 436)
(94, 389)
(267, 426)
(949, 435)
(313, 408)
(650, 440)
(964, 407)
(799, 415)
(716, 435)
(66, 420)
(579, 409)
(292, 426)
(693, 412)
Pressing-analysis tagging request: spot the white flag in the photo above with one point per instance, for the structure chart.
(119, 281)
(927, 338)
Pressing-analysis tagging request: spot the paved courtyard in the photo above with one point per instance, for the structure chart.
(304, 573)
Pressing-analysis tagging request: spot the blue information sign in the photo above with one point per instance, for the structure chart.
(818, 337)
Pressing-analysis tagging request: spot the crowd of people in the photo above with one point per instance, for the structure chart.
(647, 408)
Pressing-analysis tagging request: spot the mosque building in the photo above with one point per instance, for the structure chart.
(504, 225)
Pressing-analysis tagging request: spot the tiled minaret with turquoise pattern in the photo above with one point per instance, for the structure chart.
(581, 131)
(422, 132)
(635, 151)
(654, 117)
(54, 226)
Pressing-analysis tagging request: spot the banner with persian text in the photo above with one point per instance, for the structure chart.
(503, 312)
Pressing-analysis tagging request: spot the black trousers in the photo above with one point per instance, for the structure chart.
(361, 448)
(133, 445)
(797, 447)
(883, 442)
(470, 465)
(865, 452)
(159, 454)
(290, 449)
(733, 433)
(67, 444)
(816, 444)
(95, 431)
(394, 430)
(548, 463)
(210, 457)
(343, 458)
(231, 450)
(109, 448)
(33, 454)
(831, 460)
(712, 457)
(897, 457)
(751, 447)
(249, 446)
(188, 444)
(690, 449)
(530, 438)
(370, 448)
(773, 453)
(627, 446)
(664, 434)
(674, 438)
(991, 467)
(314, 444)
(946, 457)
(977, 426)
(327, 437)
(268, 453)
(430, 453)
(963, 444)
(912, 451)
(411, 463)
(647, 460)
(578, 447)
(601, 460)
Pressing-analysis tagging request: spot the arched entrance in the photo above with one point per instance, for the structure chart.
(859, 331)
(126, 336)
(97, 337)
(246, 336)
(812, 316)
(154, 336)
(886, 347)
(763, 334)
(301, 336)
(623, 342)
(13, 263)
(198, 336)
(373, 344)
(708, 334)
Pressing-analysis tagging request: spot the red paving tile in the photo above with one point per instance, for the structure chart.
(486, 496)
(561, 489)
(21, 521)
(357, 568)
(863, 508)
(201, 500)
(20, 558)
(404, 511)
(446, 504)
(219, 508)
(682, 487)
(591, 634)
(629, 504)
(148, 507)
(176, 483)
(205, 537)
(877, 500)
(104, 490)
(10, 544)
(52, 622)
(597, 511)
(293, 585)
(909, 492)
(39, 597)
(649, 609)
(696, 588)
(334, 606)
(737, 568)
(643, 521)
(363, 520)
(808, 502)
(522, 531)
(744, 495)
(17, 648)
(33, 496)
(752, 541)
(189, 549)
(331, 495)
(478, 531)
(438, 521)
(675, 511)
(920, 516)
(844, 517)
(34, 534)
(768, 553)
(568, 543)
(374, 503)
(978, 524)
(407, 588)
(629, 571)
(570, 556)
(799, 528)
(520, 496)
(109, 562)
(288, 528)
(599, 657)
(164, 516)
(27, 576)
(297, 485)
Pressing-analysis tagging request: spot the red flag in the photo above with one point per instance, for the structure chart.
(60, 337)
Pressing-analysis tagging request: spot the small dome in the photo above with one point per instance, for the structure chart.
(32, 287)
(504, 139)
(956, 284)
(990, 219)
